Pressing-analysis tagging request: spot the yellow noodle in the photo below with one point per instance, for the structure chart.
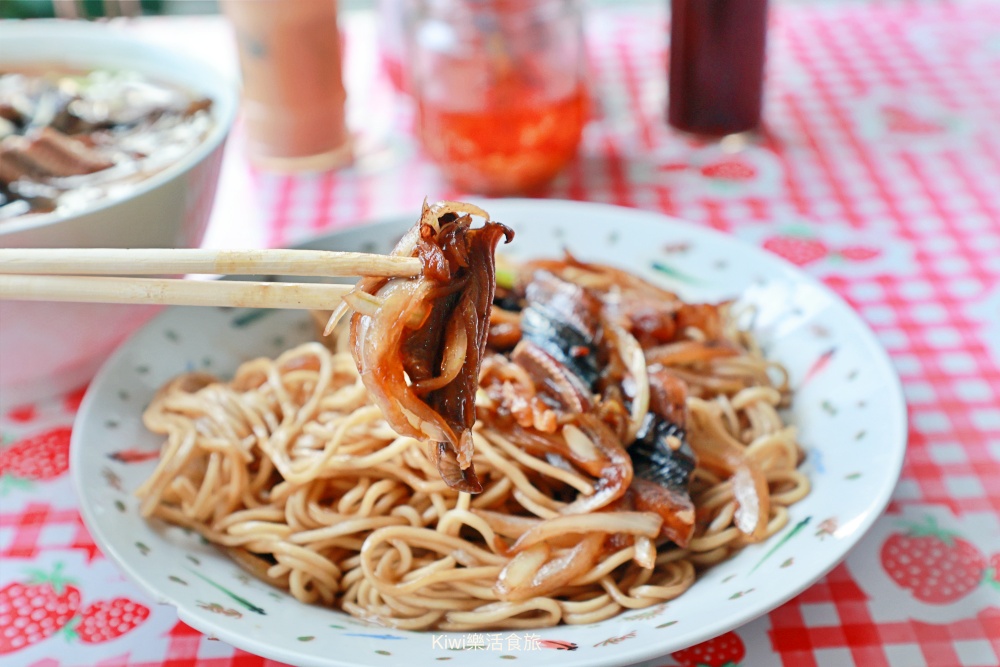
(290, 461)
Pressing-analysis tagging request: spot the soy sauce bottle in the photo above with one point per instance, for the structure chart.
(717, 65)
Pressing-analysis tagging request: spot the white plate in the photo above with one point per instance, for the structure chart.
(848, 406)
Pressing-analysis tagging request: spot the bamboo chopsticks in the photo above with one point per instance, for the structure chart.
(137, 261)
(165, 291)
(80, 274)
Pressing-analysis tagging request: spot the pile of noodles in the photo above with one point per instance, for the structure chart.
(292, 470)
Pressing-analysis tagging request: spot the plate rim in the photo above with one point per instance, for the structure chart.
(628, 653)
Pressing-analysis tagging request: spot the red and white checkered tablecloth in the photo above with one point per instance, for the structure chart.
(879, 173)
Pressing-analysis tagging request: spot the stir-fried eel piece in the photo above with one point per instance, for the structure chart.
(561, 332)
(586, 443)
(418, 343)
(568, 334)
(556, 383)
(564, 320)
(646, 311)
(662, 454)
(663, 459)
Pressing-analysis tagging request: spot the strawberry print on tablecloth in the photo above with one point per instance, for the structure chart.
(105, 620)
(34, 454)
(726, 650)
(927, 564)
(61, 597)
(934, 564)
(747, 646)
(902, 120)
(829, 247)
(714, 171)
(34, 463)
(37, 458)
(36, 607)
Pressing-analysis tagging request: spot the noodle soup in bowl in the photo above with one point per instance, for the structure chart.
(785, 310)
(67, 183)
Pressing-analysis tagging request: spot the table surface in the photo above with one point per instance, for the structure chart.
(879, 173)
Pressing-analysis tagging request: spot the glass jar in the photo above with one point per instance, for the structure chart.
(500, 89)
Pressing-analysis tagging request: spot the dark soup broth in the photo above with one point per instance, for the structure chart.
(70, 138)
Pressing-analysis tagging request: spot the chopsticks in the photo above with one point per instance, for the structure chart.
(138, 261)
(81, 275)
(169, 292)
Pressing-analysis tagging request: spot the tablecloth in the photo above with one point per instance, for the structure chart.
(878, 173)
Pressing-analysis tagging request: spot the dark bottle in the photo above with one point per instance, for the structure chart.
(717, 65)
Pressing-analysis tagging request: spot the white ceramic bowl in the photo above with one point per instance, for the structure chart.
(51, 347)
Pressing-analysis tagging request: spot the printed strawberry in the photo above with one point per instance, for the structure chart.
(859, 253)
(109, 619)
(797, 250)
(903, 121)
(33, 610)
(936, 566)
(723, 651)
(39, 457)
(993, 571)
(729, 170)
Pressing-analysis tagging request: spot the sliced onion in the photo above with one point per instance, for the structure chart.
(689, 351)
(747, 516)
(555, 573)
(430, 214)
(635, 360)
(719, 452)
(455, 350)
(364, 303)
(456, 345)
(335, 316)
(629, 523)
(508, 525)
(521, 569)
(582, 447)
(645, 552)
